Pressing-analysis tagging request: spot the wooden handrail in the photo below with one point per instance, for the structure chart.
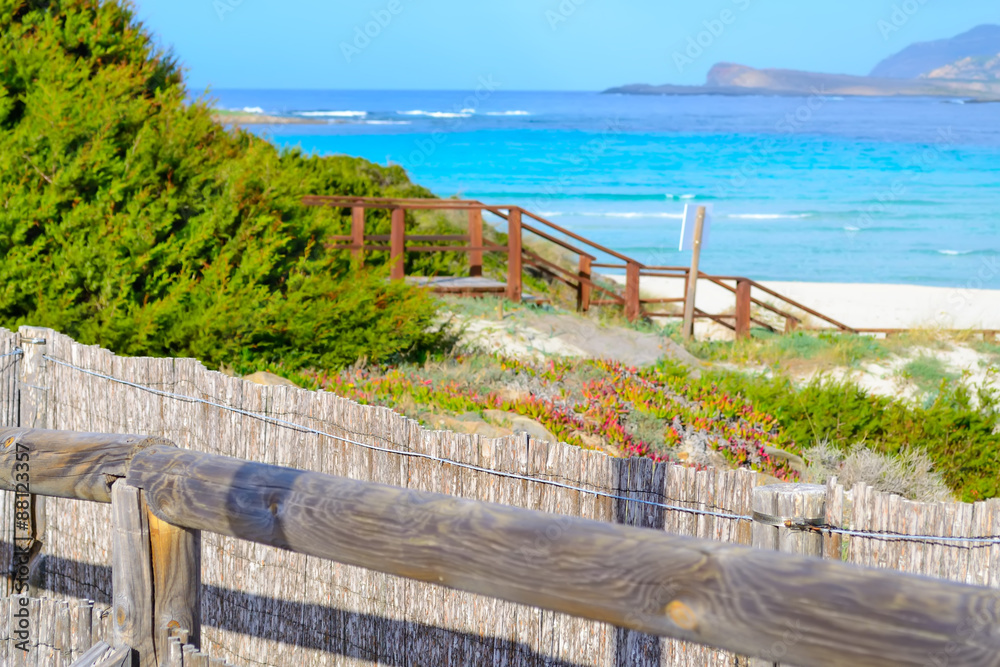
(557, 241)
(722, 595)
(581, 239)
(718, 319)
(766, 306)
(634, 268)
(798, 305)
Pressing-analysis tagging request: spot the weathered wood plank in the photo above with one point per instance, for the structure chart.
(82, 466)
(720, 595)
(176, 562)
(90, 657)
(132, 574)
(120, 657)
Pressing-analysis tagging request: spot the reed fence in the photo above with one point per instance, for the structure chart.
(266, 606)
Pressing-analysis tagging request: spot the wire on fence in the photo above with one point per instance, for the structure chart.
(16, 352)
(401, 452)
(881, 535)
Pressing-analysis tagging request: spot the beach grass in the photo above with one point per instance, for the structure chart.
(928, 373)
(819, 349)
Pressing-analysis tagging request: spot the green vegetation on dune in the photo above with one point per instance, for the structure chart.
(132, 220)
(657, 411)
(776, 349)
(959, 429)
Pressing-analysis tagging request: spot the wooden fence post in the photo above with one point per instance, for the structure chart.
(687, 328)
(155, 574)
(32, 385)
(780, 512)
(476, 241)
(583, 290)
(358, 233)
(176, 562)
(742, 309)
(514, 255)
(632, 308)
(397, 244)
(131, 575)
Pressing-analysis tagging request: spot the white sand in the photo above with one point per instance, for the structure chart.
(866, 306)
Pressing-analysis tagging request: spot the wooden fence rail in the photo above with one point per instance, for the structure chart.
(707, 592)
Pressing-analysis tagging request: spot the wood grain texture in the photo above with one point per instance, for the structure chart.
(119, 657)
(132, 574)
(63, 464)
(701, 591)
(96, 652)
(176, 561)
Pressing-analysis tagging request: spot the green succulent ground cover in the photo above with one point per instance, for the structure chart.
(648, 412)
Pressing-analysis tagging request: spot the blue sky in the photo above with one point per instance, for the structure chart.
(534, 44)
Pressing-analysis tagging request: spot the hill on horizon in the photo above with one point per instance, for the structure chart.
(967, 65)
(923, 58)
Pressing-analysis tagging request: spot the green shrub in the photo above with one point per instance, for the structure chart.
(132, 220)
(959, 429)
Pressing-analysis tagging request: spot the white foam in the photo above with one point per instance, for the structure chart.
(633, 214)
(256, 110)
(767, 216)
(508, 113)
(852, 228)
(955, 252)
(434, 114)
(332, 114)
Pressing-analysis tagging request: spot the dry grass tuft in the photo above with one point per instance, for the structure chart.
(909, 474)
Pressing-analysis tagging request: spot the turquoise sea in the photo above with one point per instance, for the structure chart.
(812, 189)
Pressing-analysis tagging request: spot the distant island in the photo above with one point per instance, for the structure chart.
(967, 65)
(255, 117)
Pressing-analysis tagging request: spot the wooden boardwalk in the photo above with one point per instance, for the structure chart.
(754, 304)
